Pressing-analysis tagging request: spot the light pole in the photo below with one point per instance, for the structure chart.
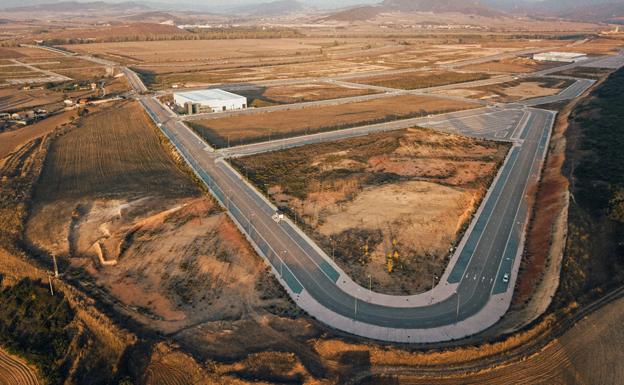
(457, 311)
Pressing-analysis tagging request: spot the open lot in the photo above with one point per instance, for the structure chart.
(513, 91)
(518, 64)
(386, 205)
(424, 79)
(264, 96)
(271, 125)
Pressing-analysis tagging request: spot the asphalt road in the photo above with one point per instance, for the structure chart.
(489, 243)
(490, 248)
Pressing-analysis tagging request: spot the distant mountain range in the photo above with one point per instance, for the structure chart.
(582, 10)
(472, 7)
(75, 7)
(273, 8)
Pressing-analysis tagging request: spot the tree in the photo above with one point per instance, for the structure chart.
(616, 206)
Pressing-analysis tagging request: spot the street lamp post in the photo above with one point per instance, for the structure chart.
(457, 311)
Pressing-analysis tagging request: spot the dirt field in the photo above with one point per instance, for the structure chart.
(11, 140)
(14, 99)
(599, 46)
(266, 96)
(415, 80)
(15, 371)
(118, 210)
(364, 199)
(279, 124)
(513, 91)
(512, 65)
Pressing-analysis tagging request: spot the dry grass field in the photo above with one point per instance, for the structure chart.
(117, 152)
(15, 371)
(513, 91)
(389, 205)
(119, 210)
(423, 79)
(12, 140)
(599, 46)
(13, 99)
(511, 65)
(209, 62)
(279, 124)
(298, 93)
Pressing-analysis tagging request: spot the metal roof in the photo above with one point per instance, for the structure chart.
(209, 94)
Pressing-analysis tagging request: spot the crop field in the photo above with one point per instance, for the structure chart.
(26, 53)
(118, 155)
(265, 96)
(14, 99)
(15, 371)
(279, 124)
(423, 79)
(12, 140)
(387, 205)
(216, 51)
(192, 63)
(513, 91)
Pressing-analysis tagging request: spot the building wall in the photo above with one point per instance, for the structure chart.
(213, 105)
(558, 58)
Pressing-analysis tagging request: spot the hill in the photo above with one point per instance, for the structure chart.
(471, 7)
(274, 8)
(74, 6)
(356, 13)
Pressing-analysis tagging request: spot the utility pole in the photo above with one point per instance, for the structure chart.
(355, 316)
(56, 271)
(50, 281)
(457, 311)
(370, 284)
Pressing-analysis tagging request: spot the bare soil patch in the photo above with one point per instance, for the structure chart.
(279, 124)
(517, 64)
(126, 218)
(385, 205)
(513, 91)
(422, 79)
(299, 93)
(11, 140)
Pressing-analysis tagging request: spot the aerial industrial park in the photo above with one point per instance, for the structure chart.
(394, 192)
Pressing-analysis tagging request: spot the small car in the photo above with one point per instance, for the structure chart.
(506, 277)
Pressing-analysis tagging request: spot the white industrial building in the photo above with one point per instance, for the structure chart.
(211, 100)
(565, 57)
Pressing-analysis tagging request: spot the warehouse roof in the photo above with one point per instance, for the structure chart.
(563, 54)
(210, 94)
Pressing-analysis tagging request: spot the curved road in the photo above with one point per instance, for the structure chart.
(473, 293)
